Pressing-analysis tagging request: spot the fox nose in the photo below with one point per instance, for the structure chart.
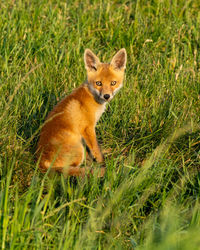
(106, 96)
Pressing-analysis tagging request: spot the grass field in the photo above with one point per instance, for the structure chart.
(150, 133)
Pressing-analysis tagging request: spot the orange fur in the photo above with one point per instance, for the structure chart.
(74, 118)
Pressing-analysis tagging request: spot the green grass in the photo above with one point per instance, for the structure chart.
(149, 198)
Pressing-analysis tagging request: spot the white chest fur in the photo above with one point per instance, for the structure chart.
(100, 111)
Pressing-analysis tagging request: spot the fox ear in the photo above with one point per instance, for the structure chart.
(91, 60)
(119, 60)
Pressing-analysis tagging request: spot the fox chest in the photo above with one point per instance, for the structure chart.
(99, 112)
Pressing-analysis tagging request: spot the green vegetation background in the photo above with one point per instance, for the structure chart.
(149, 198)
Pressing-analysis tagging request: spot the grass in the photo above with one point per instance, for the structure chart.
(149, 198)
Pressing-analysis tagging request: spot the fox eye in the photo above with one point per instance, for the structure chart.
(113, 83)
(99, 83)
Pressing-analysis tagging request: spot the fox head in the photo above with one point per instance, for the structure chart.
(104, 79)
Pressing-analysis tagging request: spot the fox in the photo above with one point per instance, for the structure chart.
(70, 126)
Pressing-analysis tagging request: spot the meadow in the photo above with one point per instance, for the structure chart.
(150, 132)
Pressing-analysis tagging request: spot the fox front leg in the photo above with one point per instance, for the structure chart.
(91, 141)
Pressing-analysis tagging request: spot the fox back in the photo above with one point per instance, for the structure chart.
(73, 120)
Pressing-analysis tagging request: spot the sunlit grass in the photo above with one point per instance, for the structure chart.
(149, 198)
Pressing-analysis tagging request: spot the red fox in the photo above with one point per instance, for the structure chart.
(73, 119)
